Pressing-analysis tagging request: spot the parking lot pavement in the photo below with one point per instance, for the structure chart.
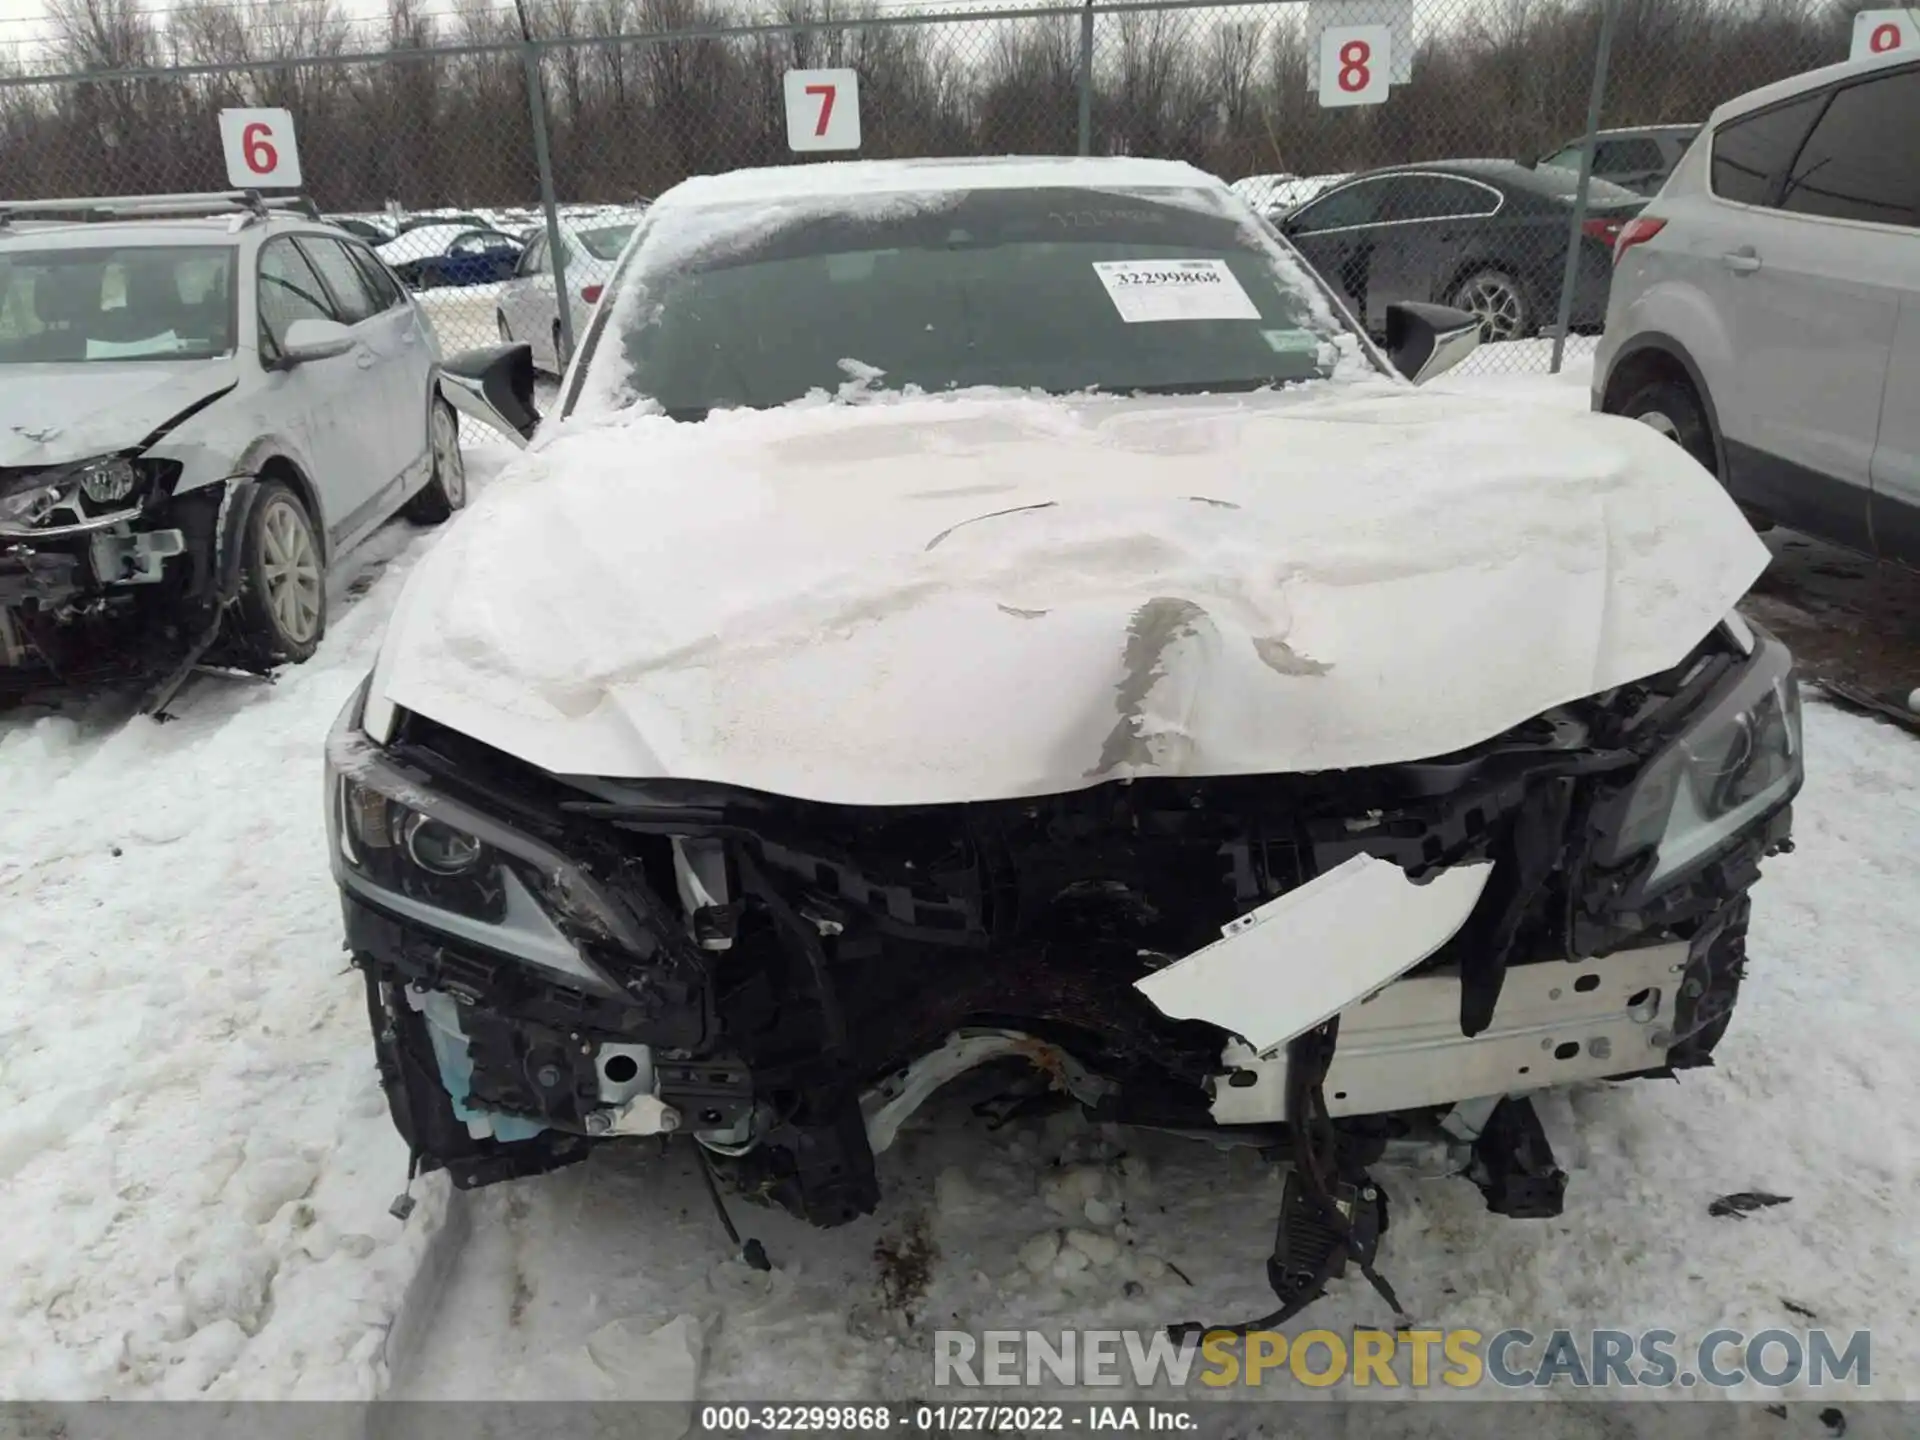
(1846, 618)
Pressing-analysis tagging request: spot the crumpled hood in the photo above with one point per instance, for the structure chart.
(990, 597)
(55, 414)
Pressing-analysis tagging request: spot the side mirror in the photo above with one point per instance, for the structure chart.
(1428, 340)
(309, 340)
(495, 386)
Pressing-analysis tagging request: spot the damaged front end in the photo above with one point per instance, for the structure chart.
(554, 963)
(108, 571)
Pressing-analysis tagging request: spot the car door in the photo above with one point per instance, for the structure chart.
(1882, 185)
(385, 407)
(315, 399)
(1814, 285)
(520, 298)
(1336, 231)
(1896, 456)
(1435, 224)
(418, 353)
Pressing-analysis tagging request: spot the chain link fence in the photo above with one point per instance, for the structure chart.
(497, 159)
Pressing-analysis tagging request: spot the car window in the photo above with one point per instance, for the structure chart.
(1436, 197)
(1852, 167)
(386, 291)
(1751, 154)
(290, 290)
(1054, 288)
(349, 290)
(533, 260)
(116, 303)
(1356, 204)
(1625, 154)
(603, 242)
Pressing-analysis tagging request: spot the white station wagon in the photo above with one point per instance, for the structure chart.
(204, 399)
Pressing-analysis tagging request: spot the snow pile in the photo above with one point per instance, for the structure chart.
(195, 1158)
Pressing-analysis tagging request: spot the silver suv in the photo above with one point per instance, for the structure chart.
(204, 399)
(1765, 310)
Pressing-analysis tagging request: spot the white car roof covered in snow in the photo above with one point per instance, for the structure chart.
(879, 177)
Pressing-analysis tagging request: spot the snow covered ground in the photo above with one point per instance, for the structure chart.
(195, 1161)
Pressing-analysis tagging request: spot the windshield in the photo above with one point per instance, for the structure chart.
(1053, 289)
(143, 302)
(604, 243)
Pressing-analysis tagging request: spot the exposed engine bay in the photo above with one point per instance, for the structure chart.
(552, 964)
(107, 574)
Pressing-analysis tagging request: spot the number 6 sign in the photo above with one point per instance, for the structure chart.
(259, 146)
(823, 110)
(1356, 64)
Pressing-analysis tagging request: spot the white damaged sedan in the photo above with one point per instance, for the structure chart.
(1006, 614)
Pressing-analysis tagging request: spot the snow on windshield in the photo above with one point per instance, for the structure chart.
(1053, 289)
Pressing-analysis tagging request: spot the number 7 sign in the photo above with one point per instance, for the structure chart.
(823, 110)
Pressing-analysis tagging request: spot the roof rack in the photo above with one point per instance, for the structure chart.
(249, 204)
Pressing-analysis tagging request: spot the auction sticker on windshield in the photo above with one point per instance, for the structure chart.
(1145, 290)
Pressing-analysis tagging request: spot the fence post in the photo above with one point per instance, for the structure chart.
(1609, 9)
(543, 157)
(1086, 78)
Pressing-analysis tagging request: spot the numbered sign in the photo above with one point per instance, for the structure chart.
(1876, 32)
(823, 110)
(1396, 15)
(1356, 64)
(260, 151)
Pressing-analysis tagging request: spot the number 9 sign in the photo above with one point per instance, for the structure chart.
(259, 149)
(1356, 64)
(1878, 32)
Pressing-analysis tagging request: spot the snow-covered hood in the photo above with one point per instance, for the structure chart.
(978, 598)
(54, 414)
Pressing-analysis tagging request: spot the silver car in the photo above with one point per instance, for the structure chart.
(529, 309)
(203, 401)
(1766, 306)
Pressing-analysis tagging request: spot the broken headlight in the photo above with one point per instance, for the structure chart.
(402, 845)
(1737, 760)
(111, 482)
(108, 479)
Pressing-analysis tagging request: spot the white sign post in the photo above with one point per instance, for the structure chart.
(823, 110)
(1356, 65)
(260, 150)
(1396, 15)
(1876, 32)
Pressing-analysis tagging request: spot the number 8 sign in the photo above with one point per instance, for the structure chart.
(823, 110)
(1356, 64)
(259, 149)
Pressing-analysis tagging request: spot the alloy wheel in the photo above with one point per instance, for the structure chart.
(1494, 301)
(290, 570)
(449, 466)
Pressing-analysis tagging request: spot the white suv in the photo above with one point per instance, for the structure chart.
(1766, 306)
(203, 399)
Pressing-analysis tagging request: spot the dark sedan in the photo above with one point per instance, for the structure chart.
(430, 256)
(1489, 236)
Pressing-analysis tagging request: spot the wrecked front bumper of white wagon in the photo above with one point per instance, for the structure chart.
(1323, 963)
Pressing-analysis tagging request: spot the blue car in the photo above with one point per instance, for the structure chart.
(435, 255)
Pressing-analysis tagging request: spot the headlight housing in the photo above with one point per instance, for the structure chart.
(1737, 760)
(427, 857)
(107, 483)
(107, 480)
